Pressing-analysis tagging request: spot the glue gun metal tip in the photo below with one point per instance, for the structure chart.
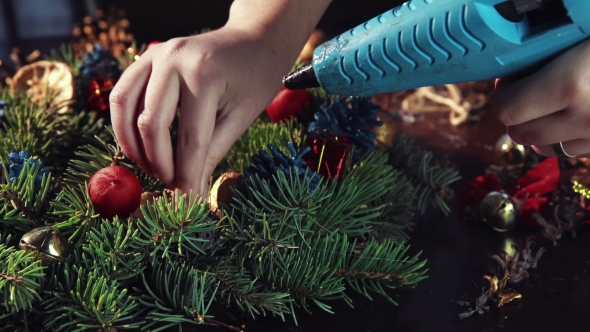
(302, 78)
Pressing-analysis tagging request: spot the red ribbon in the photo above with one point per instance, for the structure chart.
(530, 188)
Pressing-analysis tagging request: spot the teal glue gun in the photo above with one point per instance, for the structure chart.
(434, 42)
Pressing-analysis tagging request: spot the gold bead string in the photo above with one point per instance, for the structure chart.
(581, 188)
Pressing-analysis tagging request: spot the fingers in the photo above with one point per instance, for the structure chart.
(125, 102)
(554, 87)
(153, 123)
(577, 147)
(557, 127)
(227, 132)
(196, 125)
(532, 97)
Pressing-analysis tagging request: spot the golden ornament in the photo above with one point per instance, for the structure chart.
(315, 40)
(499, 211)
(386, 132)
(509, 151)
(46, 82)
(221, 191)
(48, 244)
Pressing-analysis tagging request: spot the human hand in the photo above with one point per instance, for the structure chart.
(220, 80)
(550, 106)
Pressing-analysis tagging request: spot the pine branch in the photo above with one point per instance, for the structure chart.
(431, 181)
(236, 287)
(75, 205)
(110, 250)
(309, 272)
(65, 54)
(172, 226)
(381, 264)
(22, 203)
(100, 154)
(349, 210)
(258, 136)
(176, 294)
(86, 300)
(397, 211)
(21, 276)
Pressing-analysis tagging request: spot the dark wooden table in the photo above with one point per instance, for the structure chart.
(556, 297)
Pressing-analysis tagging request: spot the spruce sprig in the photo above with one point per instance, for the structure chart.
(172, 226)
(111, 249)
(381, 264)
(21, 276)
(176, 294)
(22, 204)
(65, 53)
(431, 180)
(85, 300)
(259, 135)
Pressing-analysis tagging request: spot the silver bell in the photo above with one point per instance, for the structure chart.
(499, 211)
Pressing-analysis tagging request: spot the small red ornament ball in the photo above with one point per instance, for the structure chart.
(288, 104)
(114, 191)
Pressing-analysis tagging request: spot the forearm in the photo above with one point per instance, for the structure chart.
(285, 24)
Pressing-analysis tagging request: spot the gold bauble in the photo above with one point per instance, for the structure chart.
(221, 192)
(499, 211)
(510, 152)
(48, 244)
(386, 132)
(315, 40)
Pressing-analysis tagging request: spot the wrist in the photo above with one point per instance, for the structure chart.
(283, 26)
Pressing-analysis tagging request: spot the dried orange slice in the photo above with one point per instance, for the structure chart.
(46, 83)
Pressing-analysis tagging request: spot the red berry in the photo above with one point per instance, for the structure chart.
(288, 104)
(114, 191)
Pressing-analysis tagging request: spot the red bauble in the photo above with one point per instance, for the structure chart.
(288, 104)
(98, 91)
(329, 156)
(114, 191)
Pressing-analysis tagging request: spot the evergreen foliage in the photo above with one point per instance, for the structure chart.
(288, 240)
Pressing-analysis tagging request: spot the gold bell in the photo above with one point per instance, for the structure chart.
(509, 151)
(48, 244)
(499, 211)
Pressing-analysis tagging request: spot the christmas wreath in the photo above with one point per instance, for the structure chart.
(305, 209)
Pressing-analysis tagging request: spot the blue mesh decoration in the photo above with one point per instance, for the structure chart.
(3, 109)
(265, 166)
(18, 160)
(99, 63)
(352, 118)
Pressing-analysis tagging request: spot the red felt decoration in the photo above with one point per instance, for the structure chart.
(98, 91)
(114, 191)
(288, 104)
(329, 156)
(530, 188)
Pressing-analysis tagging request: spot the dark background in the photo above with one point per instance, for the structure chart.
(46, 24)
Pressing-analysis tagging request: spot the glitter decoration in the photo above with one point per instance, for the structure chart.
(352, 117)
(97, 93)
(99, 62)
(266, 166)
(18, 163)
(580, 188)
(329, 156)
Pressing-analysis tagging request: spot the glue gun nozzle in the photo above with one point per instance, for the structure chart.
(302, 78)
